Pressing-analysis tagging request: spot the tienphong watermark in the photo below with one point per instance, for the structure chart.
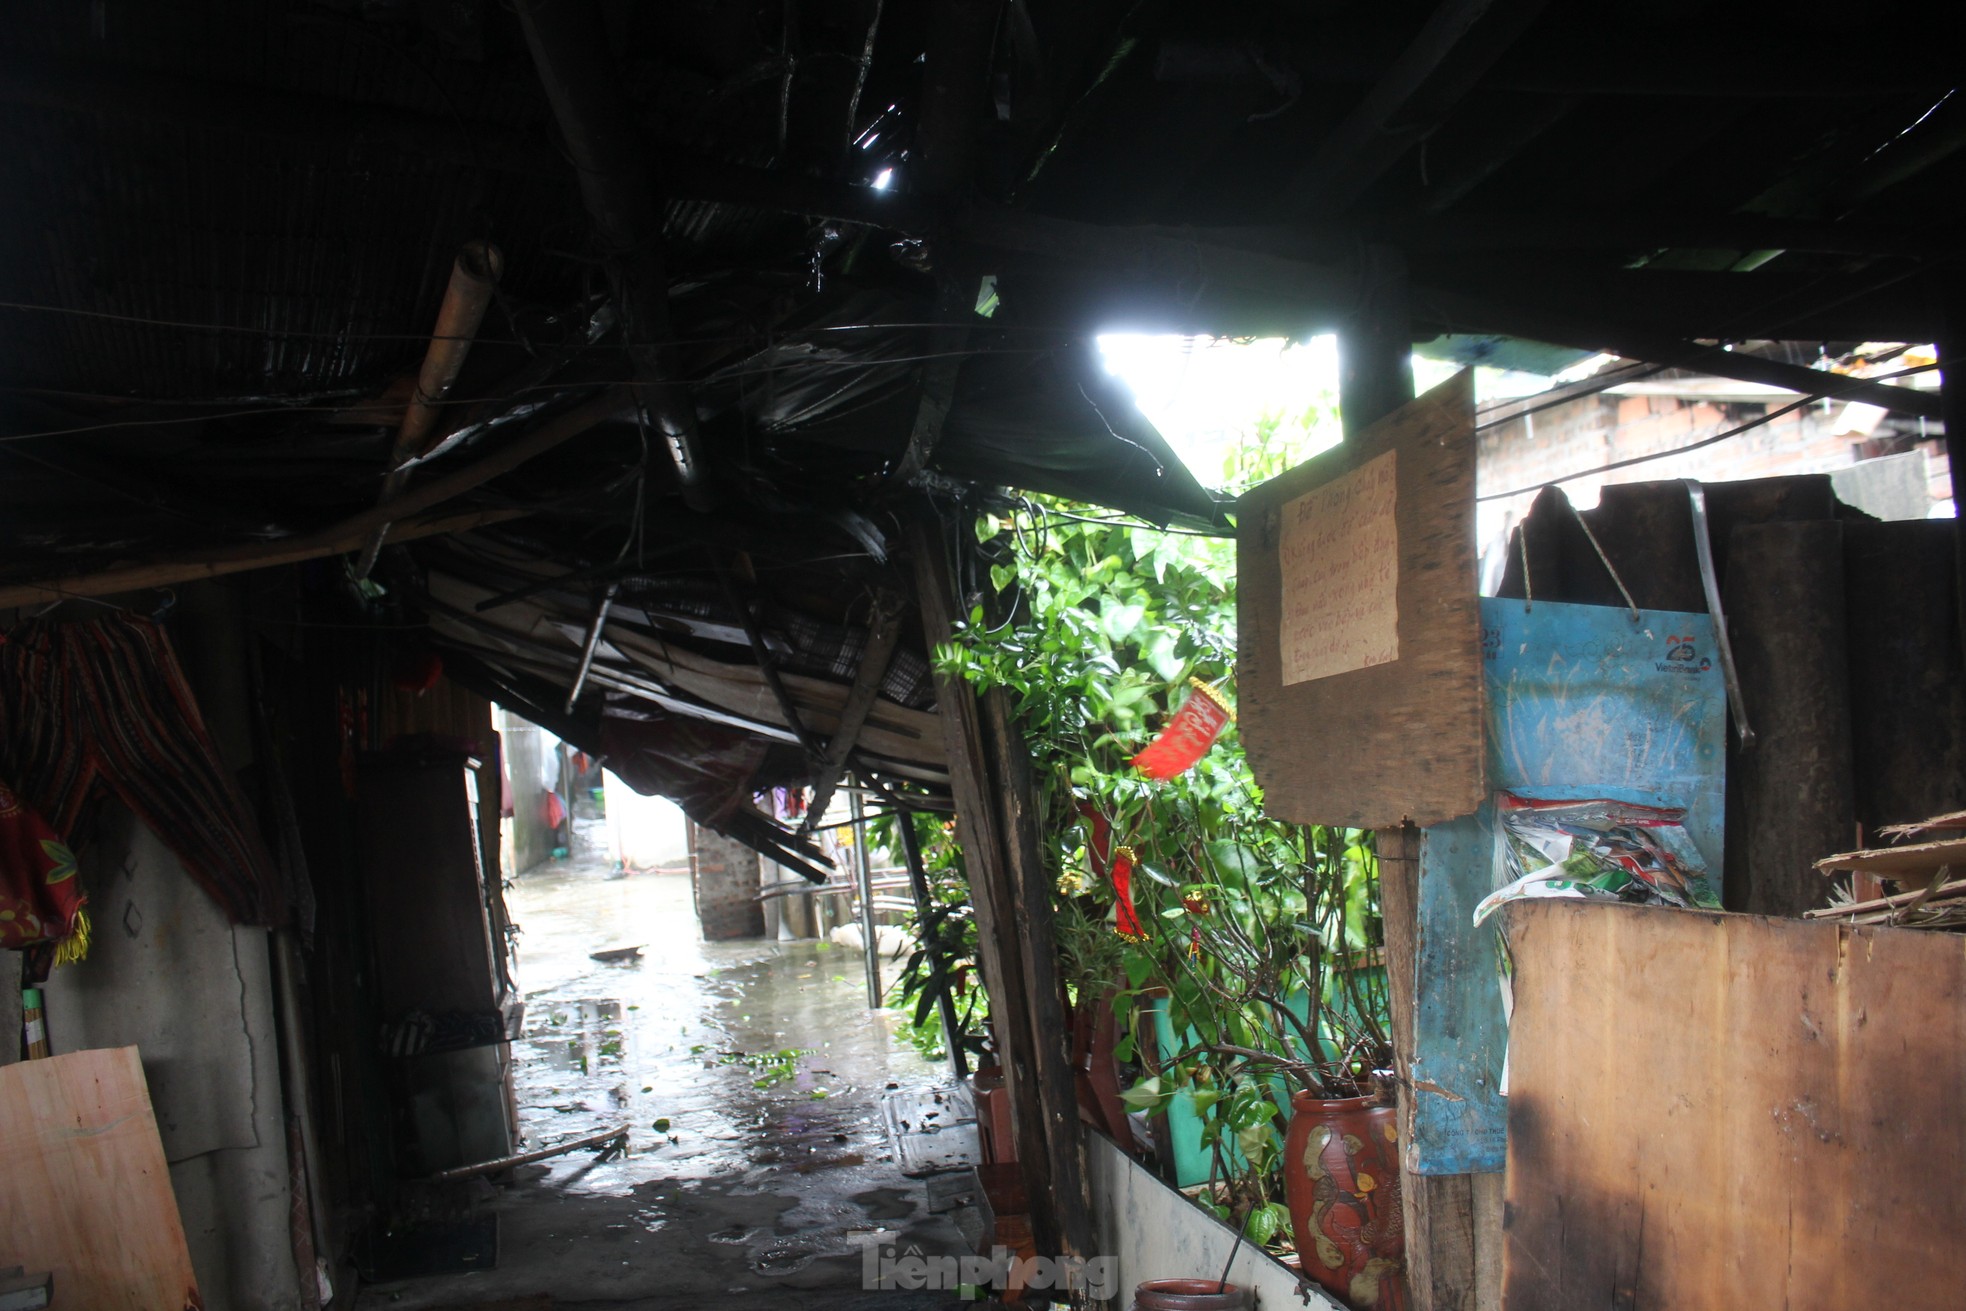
(889, 1266)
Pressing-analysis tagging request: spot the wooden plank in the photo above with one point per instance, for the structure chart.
(986, 863)
(874, 659)
(10, 1011)
(1445, 58)
(616, 1139)
(1793, 793)
(85, 1192)
(351, 532)
(1950, 821)
(1488, 1192)
(1730, 1111)
(1929, 893)
(1411, 726)
(1920, 858)
(165, 573)
(1031, 889)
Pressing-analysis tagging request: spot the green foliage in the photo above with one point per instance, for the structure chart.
(945, 944)
(772, 1068)
(1252, 929)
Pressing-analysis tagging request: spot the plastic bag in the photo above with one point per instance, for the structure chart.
(1611, 850)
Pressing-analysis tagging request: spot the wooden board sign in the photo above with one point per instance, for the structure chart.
(1358, 667)
(1711, 1110)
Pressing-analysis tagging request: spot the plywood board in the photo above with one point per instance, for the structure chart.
(84, 1191)
(1351, 713)
(1727, 1111)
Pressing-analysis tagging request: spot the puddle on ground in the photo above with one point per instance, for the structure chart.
(750, 1076)
(722, 1058)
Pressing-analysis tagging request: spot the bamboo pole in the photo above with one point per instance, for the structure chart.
(350, 533)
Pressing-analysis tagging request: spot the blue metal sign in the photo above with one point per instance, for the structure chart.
(1582, 701)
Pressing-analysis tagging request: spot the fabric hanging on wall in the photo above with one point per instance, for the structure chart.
(40, 897)
(92, 709)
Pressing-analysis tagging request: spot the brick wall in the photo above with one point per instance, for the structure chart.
(724, 875)
(1593, 431)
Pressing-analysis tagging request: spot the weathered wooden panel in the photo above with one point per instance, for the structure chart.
(1646, 530)
(84, 1191)
(1793, 794)
(1907, 693)
(1398, 739)
(1725, 1111)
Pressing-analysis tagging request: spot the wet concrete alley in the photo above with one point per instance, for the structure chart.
(753, 1080)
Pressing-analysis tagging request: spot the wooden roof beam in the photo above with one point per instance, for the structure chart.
(1457, 44)
(1678, 353)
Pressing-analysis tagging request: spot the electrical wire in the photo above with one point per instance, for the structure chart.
(1068, 333)
(560, 387)
(1128, 521)
(1736, 431)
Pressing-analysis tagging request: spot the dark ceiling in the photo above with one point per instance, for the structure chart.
(226, 227)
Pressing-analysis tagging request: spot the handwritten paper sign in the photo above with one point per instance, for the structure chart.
(1340, 575)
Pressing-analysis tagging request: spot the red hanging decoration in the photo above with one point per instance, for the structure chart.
(1118, 866)
(1188, 735)
(1126, 920)
(417, 671)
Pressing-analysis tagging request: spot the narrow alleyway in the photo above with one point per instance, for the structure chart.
(752, 1078)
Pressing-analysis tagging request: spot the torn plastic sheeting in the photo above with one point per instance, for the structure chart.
(1057, 422)
(705, 768)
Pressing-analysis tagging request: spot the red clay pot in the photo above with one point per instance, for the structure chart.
(1341, 1181)
(1190, 1295)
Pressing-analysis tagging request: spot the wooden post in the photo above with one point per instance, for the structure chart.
(1453, 1222)
(1952, 402)
(990, 774)
(1375, 346)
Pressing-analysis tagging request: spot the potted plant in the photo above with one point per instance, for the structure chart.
(1280, 1027)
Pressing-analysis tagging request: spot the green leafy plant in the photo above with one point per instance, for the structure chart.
(944, 958)
(1250, 941)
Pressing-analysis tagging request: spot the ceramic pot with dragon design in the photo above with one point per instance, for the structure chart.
(1341, 1180)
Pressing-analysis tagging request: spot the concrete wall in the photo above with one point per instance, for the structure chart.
(1158, 1234)
(527, 764)
(170, 975)
(644, 832)
(724, 877)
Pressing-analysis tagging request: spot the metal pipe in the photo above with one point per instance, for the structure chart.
(592, 644)
(1710, 583)
(911, 847)
(474, 275)
(864, 870)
